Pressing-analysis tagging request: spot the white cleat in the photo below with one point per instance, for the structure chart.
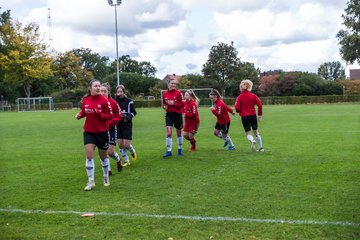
(90, 185)
(106, 181)
(261, 150)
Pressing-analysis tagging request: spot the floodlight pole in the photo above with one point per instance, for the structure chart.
(115, 4)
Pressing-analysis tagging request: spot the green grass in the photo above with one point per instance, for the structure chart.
(310, 171)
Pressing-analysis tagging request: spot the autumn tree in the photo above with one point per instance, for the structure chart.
(349, 39)
(331, 71)
(23, 57)
(70, 72)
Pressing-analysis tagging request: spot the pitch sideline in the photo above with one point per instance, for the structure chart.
(194, 218)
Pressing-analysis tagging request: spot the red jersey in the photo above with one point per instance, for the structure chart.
(191, 112)
(174, 96)
(245, 104)
(116, 110)
(97, 110)
(221, 112)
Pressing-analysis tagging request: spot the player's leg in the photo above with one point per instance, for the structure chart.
(103, 145)
(246, 121)
(226, 136)
(168, 126)
(89, 145)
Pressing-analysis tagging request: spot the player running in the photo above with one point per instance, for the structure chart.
(220, 110)
(97, 110)
(191, 116)
(245, 106)
(105, 91)
(124, 127)
(173, 105)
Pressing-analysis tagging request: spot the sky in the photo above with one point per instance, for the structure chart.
(176, 36)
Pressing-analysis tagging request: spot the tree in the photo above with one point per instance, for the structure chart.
(93, 62)
(127, 64)
(331, 71)
(23, 57)
(222, 65)
(349, 39)
(69, 71)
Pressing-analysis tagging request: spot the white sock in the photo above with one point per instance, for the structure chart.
(124, 155)
(180, 142)
(131, 149)
(169, 144)
(228, 139)
(115, 156)
(105, 166)
(250, 138)
(259, 140)
(90, 168)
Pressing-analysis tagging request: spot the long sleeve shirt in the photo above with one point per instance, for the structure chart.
(191, 112)
(97, 110)
(245, 104)
(173, 101)
(221, 112)
(116, 110)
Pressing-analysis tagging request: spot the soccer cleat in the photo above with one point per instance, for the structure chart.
(192, 149)
(90, 185)
(133, 156)
(261, 150)
(226, 143)
(180, 152)
(126, 164)
(168, 154)
(106, 181)
(119, 166)
(110, 172)
(253, 146)
(231, 148)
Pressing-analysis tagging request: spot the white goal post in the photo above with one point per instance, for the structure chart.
(201, 93)
(34, 104)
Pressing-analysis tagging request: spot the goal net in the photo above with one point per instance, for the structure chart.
(201, 93)
(35, 104)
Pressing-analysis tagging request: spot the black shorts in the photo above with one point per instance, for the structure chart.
(249, 122)
(224, 128)
(113, 135)
(124, 131)
(101, 139)
(174, 119)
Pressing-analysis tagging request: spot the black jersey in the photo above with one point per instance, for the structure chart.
(127, 109)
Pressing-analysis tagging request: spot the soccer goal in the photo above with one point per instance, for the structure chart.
(201, 93)
(35, 104)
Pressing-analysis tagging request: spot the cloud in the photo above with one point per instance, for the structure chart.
(176, 35)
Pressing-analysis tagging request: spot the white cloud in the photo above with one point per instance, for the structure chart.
(176, 35)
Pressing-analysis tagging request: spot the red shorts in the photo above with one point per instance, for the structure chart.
(191, 127)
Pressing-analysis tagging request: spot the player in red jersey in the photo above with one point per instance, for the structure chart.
(173, 105)
(191, 116)
(97, 110)
(220, 110)
(105, 91)
(245, 106)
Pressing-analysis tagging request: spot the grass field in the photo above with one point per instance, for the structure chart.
(306, 185)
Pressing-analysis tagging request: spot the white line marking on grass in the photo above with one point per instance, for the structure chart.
(194, 218)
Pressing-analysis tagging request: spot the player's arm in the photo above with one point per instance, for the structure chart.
(80, 114)
(237, 104)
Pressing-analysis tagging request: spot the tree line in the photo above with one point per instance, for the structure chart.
(29, 69)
